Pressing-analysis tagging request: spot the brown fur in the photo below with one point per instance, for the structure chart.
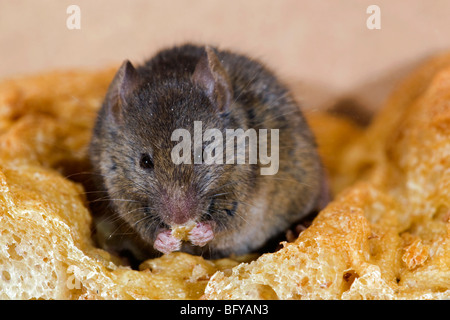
(225, 91)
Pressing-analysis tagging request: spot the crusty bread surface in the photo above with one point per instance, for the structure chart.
(385, 235)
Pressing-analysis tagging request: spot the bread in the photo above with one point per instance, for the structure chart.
(386, 235)
(46, 250)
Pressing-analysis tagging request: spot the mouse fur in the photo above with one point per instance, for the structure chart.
(142, 191)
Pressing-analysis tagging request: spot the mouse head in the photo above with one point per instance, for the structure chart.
(142, 112)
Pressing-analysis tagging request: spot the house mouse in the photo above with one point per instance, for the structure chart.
(211, 209)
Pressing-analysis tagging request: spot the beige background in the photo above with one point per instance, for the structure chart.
(323, 48)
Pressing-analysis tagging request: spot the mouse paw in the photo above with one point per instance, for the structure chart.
(166, 243)
(201, 234)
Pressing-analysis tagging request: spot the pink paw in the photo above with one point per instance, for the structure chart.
(166, 243)
(201, 234)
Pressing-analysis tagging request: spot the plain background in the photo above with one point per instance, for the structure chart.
(321, 48)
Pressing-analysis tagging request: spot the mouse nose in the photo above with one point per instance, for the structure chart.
(178, 207)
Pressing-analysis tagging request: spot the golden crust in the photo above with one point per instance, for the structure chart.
(46, 249)
(386, 235)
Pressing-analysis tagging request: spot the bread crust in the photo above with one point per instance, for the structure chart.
(386, 234)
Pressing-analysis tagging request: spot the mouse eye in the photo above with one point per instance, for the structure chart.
(146, 162)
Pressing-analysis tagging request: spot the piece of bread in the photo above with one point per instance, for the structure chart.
(385, 236)
(46, 250)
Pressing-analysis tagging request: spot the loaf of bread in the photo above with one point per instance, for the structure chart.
(386, 234)
(46, 248)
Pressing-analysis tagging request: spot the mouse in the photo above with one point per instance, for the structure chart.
(144, 153)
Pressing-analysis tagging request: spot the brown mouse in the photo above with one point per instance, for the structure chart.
(225, 208)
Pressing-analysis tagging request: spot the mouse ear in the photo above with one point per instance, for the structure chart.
(212, 77)
(119, 90)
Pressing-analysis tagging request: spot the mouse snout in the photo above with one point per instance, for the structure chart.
(178, 207)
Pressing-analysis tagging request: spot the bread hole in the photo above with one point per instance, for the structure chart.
(442, 214)
(13, 252)
(267, 293)
(25, 296)
(364, 167)
(5, 275)
(349, 276)
(374, 245)
(16, 238)
(261, 292)
(304, 281)
(52, 284)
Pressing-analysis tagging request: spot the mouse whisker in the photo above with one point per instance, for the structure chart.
(140, 208)
(109, 219)
(244, 88)
(124, 200)
(119, 227)
(146, 217)
(219, 194)
(214, 216)
(79, 174)
(107, 199)
(223, 186)
(90, 192)
(276, 117)
(230, 202)
(284, 179)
